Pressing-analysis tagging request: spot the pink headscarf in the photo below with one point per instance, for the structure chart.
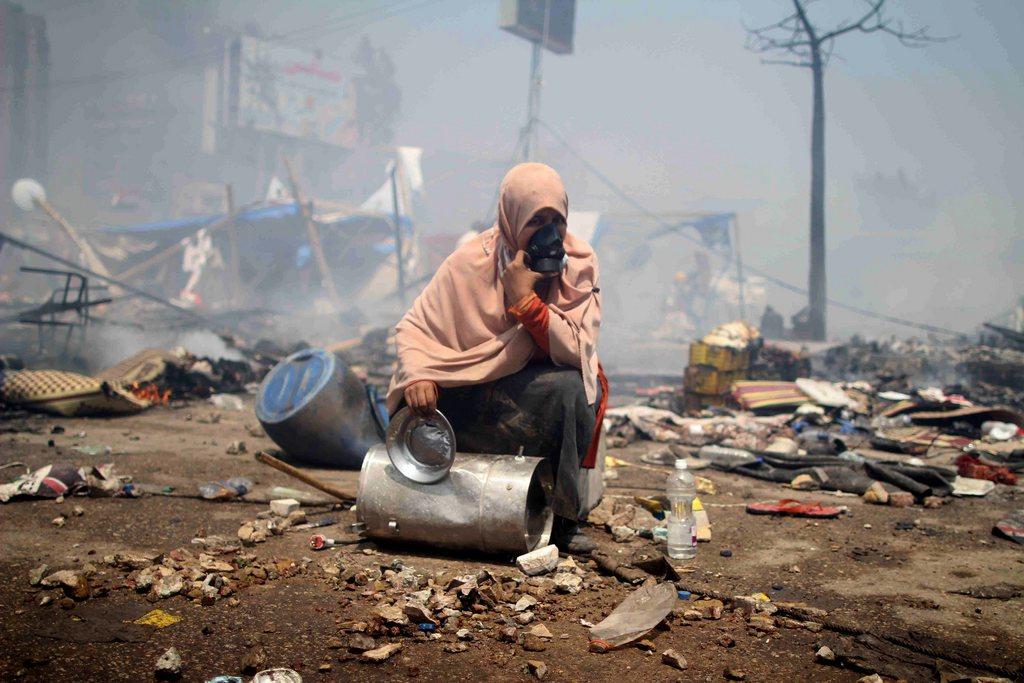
(458, 331)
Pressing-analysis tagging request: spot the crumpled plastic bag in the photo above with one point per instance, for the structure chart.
(644, 609)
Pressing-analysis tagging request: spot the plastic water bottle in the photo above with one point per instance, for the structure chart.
(682, 527)
(724, 458)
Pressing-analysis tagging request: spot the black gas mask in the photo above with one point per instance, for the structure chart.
(545, 250)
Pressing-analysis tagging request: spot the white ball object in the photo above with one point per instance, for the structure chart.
(26, 192)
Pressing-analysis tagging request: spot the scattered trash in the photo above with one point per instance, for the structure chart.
(999, 431)
(794, 508)
(644, 609)
(971, 466)
(319, 542)
(227, 402)
(64, 479)
(965, 486)
(226, 490)
(157, 618)
(1011, 527)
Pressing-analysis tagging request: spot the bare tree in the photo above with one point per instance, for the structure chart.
(802, 43)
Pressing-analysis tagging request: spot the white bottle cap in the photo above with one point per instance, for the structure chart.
(680, 464)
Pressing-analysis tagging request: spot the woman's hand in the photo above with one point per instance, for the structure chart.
(519, 280)
(422, 397)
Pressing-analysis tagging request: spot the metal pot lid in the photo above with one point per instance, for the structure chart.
(421, 448)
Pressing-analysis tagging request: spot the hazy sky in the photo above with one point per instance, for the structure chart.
(663, 97)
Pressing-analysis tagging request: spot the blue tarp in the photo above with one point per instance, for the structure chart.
(259, 213)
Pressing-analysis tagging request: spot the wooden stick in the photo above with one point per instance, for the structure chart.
(267, 459)
(90, 256)
(314, 239)
(236, 283)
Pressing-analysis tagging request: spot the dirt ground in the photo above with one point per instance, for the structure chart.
(881, 571)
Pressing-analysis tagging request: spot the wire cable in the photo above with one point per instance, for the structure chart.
(622, 194)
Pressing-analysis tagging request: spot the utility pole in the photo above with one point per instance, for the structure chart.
(547, 25)
(533, 96)
(802, 43)
(739, 268)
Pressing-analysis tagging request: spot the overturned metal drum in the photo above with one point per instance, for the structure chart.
(316, 410)
(492, 503)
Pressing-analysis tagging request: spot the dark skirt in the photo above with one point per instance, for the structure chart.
(541, 409)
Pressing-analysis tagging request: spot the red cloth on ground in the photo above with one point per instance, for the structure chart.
(972, 467)
(533, 314)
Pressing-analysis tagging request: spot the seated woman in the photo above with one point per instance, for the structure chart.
(508, 353)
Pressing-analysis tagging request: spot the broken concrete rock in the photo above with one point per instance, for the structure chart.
(540, 561)
(804, 482)
(632, 516)
(533, 643)
(622, 534)
(709, 609)
(876, 494)
(762, 623)
(541, 631)
(360, 642)
(600, 515)
(674, 659)
(390, 614)
(282, 507)
(255, 660)
(381, 654)
(130, 559)
(901, 499)
(74, 583)
(525, 603)
(568, 583)
(168, 667)
(537, 668)
(418, 613)
(35, 576)
(568, 565)
(169, 586)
